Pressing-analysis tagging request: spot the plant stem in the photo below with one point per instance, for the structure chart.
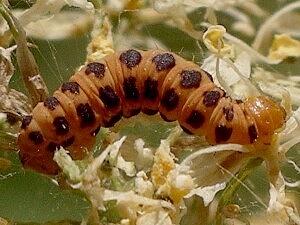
(28, 67)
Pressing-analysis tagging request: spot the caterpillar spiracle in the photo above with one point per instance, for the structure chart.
(133, 81)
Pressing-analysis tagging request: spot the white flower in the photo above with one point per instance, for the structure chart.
(283, 46)
(143, 186)
(3, 117)
(204, 165)
(116, 160)
(163, 164)
(60, 26)
(160, 217)
(116, 5)
(228, 74)
(279, 205)
(207, 193)
(47, 8)
(264, 34)
(131, 204)
(176, 186)
(275, 84)
(164, 6)
(213, 40)
(144, 159)
(87, 181)
(242, 23)
(127, 167)
(64, 161)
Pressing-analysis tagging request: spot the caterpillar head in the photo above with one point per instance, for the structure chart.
(269, 116)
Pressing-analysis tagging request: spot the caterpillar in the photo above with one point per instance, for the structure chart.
(133, 81)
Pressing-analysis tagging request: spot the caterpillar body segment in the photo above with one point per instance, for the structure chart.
(126, 83)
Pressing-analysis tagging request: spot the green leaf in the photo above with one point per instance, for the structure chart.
(26, 196)
(152, 131)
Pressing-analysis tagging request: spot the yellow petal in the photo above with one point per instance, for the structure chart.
(284, 46)
(163, 164)
(213, 40)
(179, 186)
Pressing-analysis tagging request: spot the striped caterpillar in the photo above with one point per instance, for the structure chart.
(123, 84)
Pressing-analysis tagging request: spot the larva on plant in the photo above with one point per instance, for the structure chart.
(126, 83)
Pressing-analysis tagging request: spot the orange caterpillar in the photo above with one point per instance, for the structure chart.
(123, 84)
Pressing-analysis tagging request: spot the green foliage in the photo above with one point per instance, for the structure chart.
(111, 215)
(30, 197)
(150, 131)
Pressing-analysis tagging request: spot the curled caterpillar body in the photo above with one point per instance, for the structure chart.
(126, 83)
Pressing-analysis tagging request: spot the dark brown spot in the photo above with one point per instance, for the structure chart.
(190, 78)
(61, 125)
(52, 147)
(211, 98)
(228, 112)
(86, 114)
(114, 119)
(170, 99)
(96, 68)
(252, 133)
(165, 61)
(209, 76)
(95, 132)
(195, 119)
(36, 137)
(239, 101)
(109, 97)
(68, 142)
(165, 118)
(130, 89)
(186, 130)
(222, 133)
(150, 111)
(51, 103)
(26, 121)
(73, 87)
(151, 91)
(131, 58)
